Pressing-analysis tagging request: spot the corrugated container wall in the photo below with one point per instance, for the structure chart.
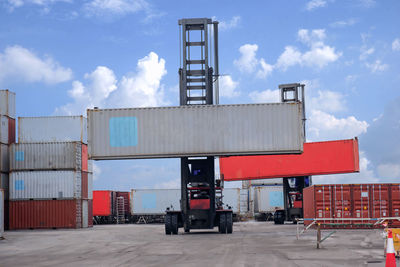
(102, 203)
(7, 103)
(7, 130)
(267, 198)
(154, 201)
(4, 184)
(2, 212)
(52, 129)
(231, 197)
(36, 214)
(48, 156)
(4, 158)
(363, 203)
(45, 185)
(218, 130)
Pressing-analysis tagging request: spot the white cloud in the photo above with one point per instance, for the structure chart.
(313, 4)
(20, 63)
(389, 170)
(140, 89)
(227, 25)
(265, 69)
(227, 87)
(343, 23)
(319, 54)
(365, 52)
(12, 4)
(266, 96)
(367, 3)
(247, 61)
(376, 66)
(323, 126)
(96, 170)
(396, 44)
(114, 7)
(328, 101)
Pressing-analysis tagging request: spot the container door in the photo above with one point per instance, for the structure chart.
(341, 203)
(244, 200)
(361, 209)
(380, 200)
(323, 201)
(395, 209)
(85, 214)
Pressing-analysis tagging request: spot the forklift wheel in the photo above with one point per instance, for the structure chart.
(229, 223)
(174, 224)
(168, 224)
(222, 223)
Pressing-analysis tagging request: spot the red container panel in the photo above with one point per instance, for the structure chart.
(317, 159)
(11, 130)
(362, 203)
(41, 214)
(84, 158)
(342, 201)
(102, 203)
(200, 204)
(323, 202)
(126, 197)
(84, 185)
(380, 201)
(395, 203)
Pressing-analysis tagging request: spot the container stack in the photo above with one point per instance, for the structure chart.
(50, 175)
(7, 137)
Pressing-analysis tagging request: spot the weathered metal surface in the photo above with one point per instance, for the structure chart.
(48, 156)
(36, 214)
(85, 213)
(318, 158)
(2, 213)
(4, 184)
(232, 198)
(351, 205)
(7, 103)
(45, 185)
(267, 198)
(52, 129)
(7, 130)
(154, 201)
(196, 130)
(90, 185)
(4, 158)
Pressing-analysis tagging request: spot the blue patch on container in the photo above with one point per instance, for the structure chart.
(19, 156)
(276, 199)
(19, 185)
(123, 131)
(149, 201)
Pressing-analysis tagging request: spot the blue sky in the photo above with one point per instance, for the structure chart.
(63, 56)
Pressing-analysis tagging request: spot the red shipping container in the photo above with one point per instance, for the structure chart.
(84, 158)
(361, 203)
(342, 207)
(317, 159)
(84, 185)
(102, 203)
(42, 214)
(11, 131)
(126, 197)
(395, 203)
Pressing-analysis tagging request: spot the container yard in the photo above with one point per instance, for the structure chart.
(264, 178)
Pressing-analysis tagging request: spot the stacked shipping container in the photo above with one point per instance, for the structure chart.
(7, 137)
(351, 205)
(50, 176)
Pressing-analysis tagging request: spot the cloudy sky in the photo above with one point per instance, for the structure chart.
(63, 56)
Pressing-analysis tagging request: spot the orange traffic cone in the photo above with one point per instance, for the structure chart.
(390, 256)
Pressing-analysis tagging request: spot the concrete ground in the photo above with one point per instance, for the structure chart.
(251, 244)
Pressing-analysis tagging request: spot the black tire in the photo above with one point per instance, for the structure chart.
(222, 223)
(174, 224)
(168, 224)
(229, 223)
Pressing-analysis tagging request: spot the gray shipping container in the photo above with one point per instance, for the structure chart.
(7, 103)
(197, 130)
(90, 185)
(154, 201)
(4, 182)
(267, 198)
(1, 213)
(4, 161)
(231, 197)
(4, 129)
(45, 185)
(52, 129)
(46, 156)
(276, 181)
